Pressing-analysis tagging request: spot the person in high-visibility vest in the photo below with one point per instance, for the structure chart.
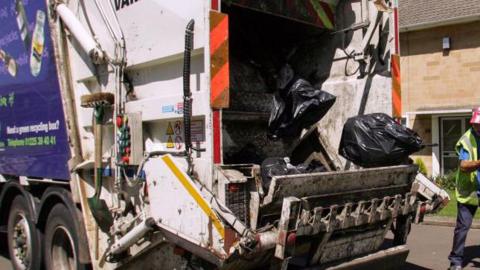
(467, 187)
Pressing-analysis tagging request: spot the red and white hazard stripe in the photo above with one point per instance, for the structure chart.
(395, 27)
(216, 5)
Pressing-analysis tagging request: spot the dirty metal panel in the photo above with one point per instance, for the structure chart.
(392, 259)
(311, 147)
(354, 214)
(305, 185)
(353, 244)
(354, 196)
(177, 203)
(320, 13)
(247, 142)
(183, 241)
(159, 255)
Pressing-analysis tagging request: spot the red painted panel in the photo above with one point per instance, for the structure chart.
(217, 140)
(215, 5)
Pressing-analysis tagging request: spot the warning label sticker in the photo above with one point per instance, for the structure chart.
(178, 128)
(198, 131)
(169, 129)
(170, 143)
(178, 142)
(174, 132)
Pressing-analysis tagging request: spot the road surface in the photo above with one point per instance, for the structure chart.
(429, 248)
(4, 262)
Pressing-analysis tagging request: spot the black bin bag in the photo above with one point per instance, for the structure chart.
(297, 107)
(276, 166)
(376, 140)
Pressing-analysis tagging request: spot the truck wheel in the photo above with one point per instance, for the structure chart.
(23, 237)
(61, 241)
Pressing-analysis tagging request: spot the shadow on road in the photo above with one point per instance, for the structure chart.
(4, 257)
(409, 266)
(470, 254)
(3, 245)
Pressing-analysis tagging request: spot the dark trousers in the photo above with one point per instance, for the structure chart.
(465, 215)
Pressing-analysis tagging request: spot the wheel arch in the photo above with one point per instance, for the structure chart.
(53, 196)
(10, 190)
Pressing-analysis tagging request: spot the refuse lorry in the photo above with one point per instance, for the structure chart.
(132, 133)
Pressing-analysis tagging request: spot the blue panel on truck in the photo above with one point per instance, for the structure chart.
(33, 138)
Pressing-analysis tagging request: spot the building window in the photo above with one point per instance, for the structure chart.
(451, 129)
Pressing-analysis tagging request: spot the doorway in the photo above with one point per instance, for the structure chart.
(451, 129)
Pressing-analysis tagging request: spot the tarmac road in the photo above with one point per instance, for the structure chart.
(429, 248)
(4, 262)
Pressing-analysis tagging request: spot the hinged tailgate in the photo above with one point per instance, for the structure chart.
(377, 181)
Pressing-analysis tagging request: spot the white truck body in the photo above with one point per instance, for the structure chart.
(173, 206)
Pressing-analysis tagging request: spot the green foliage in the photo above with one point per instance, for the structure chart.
(446, 181)
(451, 209)
(422, 168)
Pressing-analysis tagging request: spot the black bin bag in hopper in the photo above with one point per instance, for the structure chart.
(276, 166)
(376, 140)
(297, 107)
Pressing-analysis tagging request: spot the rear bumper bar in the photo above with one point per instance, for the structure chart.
(392, 258)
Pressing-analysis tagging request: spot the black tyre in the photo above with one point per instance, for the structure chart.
(61, 241)
(23, 237)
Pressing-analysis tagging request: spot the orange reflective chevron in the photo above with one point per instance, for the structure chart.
(396, 87)
(219, 65)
